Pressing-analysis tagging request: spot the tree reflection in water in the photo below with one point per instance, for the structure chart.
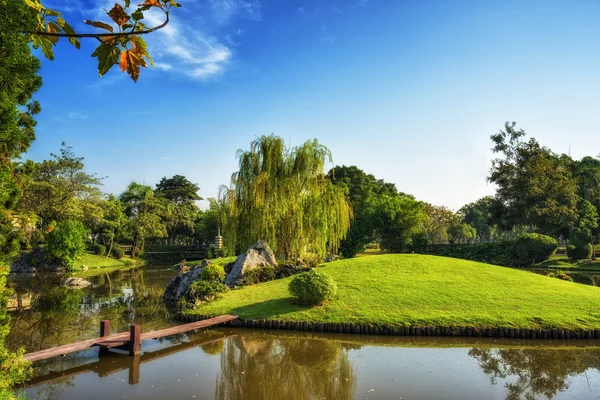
(533, 372)
(256, 367)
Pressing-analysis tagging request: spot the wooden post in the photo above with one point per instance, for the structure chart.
(104, 331)
(134, 340)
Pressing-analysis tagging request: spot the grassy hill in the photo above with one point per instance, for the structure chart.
(412, 289)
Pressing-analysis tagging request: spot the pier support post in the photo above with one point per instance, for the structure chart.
(104, 331)
(134, 370)
(134, 340)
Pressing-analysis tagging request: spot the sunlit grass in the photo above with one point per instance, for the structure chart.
(402, 289)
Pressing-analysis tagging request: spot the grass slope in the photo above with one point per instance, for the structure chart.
(412, 289)
(106, 264)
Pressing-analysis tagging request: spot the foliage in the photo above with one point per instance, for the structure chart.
(479, 215)
(436, 221)
(125, 47)
(118, 253)
(527, 249)
(462, 233)
(579, 245)
(258, 275)
(111, 226)
(398, 218)
(535, 186)
(180, 211)
(60, 189)
(533, 246)
(202, 291)
(99, 249)
(66, 242)
(313, 287)
(386, 289)
(282, 195)
(213, 273)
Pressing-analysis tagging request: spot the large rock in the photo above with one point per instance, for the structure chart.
(179, 285)
(258, 255)
(36, 260)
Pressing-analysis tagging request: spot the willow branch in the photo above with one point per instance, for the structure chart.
(103, 35)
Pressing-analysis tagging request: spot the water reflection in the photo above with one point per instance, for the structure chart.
(533, 372)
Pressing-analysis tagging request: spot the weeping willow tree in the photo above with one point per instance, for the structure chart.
(282, 195)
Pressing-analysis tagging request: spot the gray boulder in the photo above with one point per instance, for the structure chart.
(75, 283)
(258, 255)
(331, 257)
(36, 260)
(179, 285)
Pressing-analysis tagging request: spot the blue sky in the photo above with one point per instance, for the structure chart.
(409, 91)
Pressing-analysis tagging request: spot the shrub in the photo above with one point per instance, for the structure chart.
(313, 287)
(118, 252)
(419, 240)
(213, 273)
(311, 259)
(99, 249)
(580, 240)
(66, 242)
(259, 274)
(202, 290)
(530, 248)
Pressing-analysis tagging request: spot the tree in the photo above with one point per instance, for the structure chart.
(462, 233)
(125, 47)
(112, 223)
(436, 221)
(479, 215)
(535, 186)
(364, 192)
(283, 196)
(207, 222)
(143, 210)
(398, 218)
(59, 189)
(180, 211)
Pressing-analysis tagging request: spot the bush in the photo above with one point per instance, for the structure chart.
(580, 241)
(213, 273)
(257, 275)
(201, 291)
(530, 248)
(99, 249)
(313, 287)
(118, 252)
(311, 259)
(66, 242)
(579, 252)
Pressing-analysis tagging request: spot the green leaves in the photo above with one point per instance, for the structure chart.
(45, 44)
(107, 57)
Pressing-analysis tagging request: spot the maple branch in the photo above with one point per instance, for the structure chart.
(102, 35)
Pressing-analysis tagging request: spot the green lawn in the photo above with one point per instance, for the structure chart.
(94, 262)
(218, 261)
(413, 289)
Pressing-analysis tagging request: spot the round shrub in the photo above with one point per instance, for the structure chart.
(313, 287)
(66, 242)
(201, 291)
(99, 249)
(118, 252)
(213, 273)
(532, 247)
(582, 252)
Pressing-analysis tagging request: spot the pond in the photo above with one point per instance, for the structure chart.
(230, 363)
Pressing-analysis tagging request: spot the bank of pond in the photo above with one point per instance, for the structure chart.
(388, 291)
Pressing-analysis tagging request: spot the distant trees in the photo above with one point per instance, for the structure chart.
(282, 195)
(436, 221)
(180, 211)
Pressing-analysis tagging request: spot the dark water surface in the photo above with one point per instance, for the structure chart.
(229, 363)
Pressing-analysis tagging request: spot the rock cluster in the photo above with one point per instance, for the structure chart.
(36, 260)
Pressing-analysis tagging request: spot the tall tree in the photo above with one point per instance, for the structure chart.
(436, 221)
(181, 211)
(143, 210)
(535, 186)
(282, 195)
(479, 214)
(397, 218)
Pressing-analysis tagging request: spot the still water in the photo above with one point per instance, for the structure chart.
(229, 363)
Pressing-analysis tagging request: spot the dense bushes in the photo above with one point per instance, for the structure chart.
(117, 252)
(579, 247)
(527, 249)
(208, 286)
(257, 275)
(66, 242)
(212, 273)
(313, 287)
(99, 250)
(530, 248)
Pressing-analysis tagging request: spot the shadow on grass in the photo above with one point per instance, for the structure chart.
(269, 308)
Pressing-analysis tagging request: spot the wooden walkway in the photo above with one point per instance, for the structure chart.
(128, 341)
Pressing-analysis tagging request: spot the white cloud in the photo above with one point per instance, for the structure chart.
(163, 66)
(225, 10)
(77, 115)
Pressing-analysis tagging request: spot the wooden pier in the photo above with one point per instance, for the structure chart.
(128, 341)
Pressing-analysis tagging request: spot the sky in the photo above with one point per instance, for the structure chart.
(409, 91)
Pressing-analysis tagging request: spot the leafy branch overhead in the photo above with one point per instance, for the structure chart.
(120, 42)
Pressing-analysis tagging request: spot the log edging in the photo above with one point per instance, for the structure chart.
(393, 330)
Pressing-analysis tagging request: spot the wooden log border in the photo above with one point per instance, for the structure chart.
(392, 330)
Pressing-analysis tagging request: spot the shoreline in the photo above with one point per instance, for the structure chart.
(389, 330)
